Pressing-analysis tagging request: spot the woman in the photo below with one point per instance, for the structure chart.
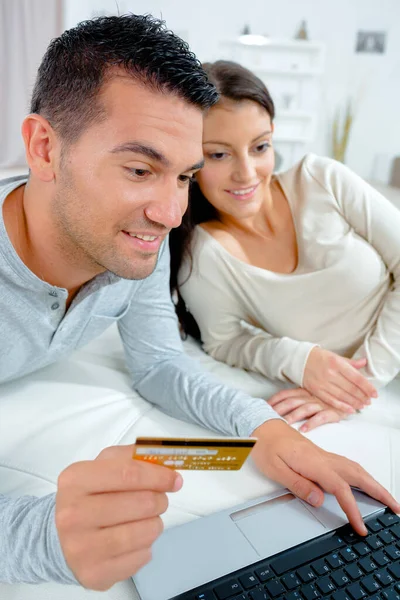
(294, 276)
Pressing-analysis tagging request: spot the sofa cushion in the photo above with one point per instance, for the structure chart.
(70, 411)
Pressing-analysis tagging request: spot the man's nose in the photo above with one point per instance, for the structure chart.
(168, 209)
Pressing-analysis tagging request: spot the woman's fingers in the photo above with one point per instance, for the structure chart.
(327, 415)
(330, 399)
(348, 392)
(285, 407)
(352, 375)
(286, 394)
(304, 412)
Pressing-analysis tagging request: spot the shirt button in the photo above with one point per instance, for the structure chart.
(53, 293)
(55, 306)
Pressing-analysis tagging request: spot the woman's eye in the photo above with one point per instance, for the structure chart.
(217, 155)
(262, 147)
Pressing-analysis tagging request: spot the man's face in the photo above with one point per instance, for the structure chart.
(124, 184)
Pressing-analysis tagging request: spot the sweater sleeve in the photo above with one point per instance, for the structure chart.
(30, 550)
(377, 221)
(163, 374)
(227, 332)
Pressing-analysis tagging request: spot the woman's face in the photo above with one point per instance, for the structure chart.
(239, 158)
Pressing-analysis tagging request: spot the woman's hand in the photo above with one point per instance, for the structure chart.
(336, 381)
(298, 405)
(285, 456)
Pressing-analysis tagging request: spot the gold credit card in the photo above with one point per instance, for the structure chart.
(196, 454)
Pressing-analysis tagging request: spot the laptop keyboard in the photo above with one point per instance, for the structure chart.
(338, 566)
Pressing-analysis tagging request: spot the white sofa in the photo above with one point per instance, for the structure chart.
(70, 411)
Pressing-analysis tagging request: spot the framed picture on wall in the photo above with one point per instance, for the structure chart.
(371, 41)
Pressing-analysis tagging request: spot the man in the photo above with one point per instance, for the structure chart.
(112, 141)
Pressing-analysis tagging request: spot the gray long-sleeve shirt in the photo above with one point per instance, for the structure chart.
(36, 329)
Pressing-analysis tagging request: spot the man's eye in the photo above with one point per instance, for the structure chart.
(139, 173)
(186, 178)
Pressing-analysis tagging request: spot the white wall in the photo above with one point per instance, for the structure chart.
(376, 78)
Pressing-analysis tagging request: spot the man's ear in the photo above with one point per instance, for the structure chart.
(41, 147)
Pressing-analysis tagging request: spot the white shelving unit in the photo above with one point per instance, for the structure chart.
(292, 71)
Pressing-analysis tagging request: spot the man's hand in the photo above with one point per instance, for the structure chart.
(287, 457)
(298, 404)
(108, 515)
(336, 380)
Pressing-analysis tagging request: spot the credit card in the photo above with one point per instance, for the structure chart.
(196, 454)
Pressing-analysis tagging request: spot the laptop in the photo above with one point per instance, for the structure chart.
(277, 548)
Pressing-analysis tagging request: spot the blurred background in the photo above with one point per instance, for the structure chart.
(332, 67)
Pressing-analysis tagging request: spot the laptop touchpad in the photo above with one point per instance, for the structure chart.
(277, 524)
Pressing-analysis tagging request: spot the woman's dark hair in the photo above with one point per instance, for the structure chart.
(234, 82)
(75, 66)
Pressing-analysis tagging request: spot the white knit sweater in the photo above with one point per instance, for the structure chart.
(344, 294)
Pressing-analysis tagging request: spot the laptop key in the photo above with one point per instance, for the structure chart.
(320, 567)
(374, 542)
(348, 555)
(367, 564)
(326, 586)
(293, 596)
(374, 525)
(275, 588)
(384, 577)
(370, 584)
(354, 571)
(335, 561)
(302, 556)
(380, 558)
(248, 580)
(340, 578)
(264, 574)
(228, 589)
(393, 552)
(341, 595)
(356, 591)
(390, 594)
(258, 594)
(396, 530)
(205, 596)
(306, 574)
(386, 536)
(394, 570)
(310, 592)
(388, 519)
(350, 536)
(362, 549)
(291, 581)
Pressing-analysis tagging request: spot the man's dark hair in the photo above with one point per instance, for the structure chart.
(78, 63)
